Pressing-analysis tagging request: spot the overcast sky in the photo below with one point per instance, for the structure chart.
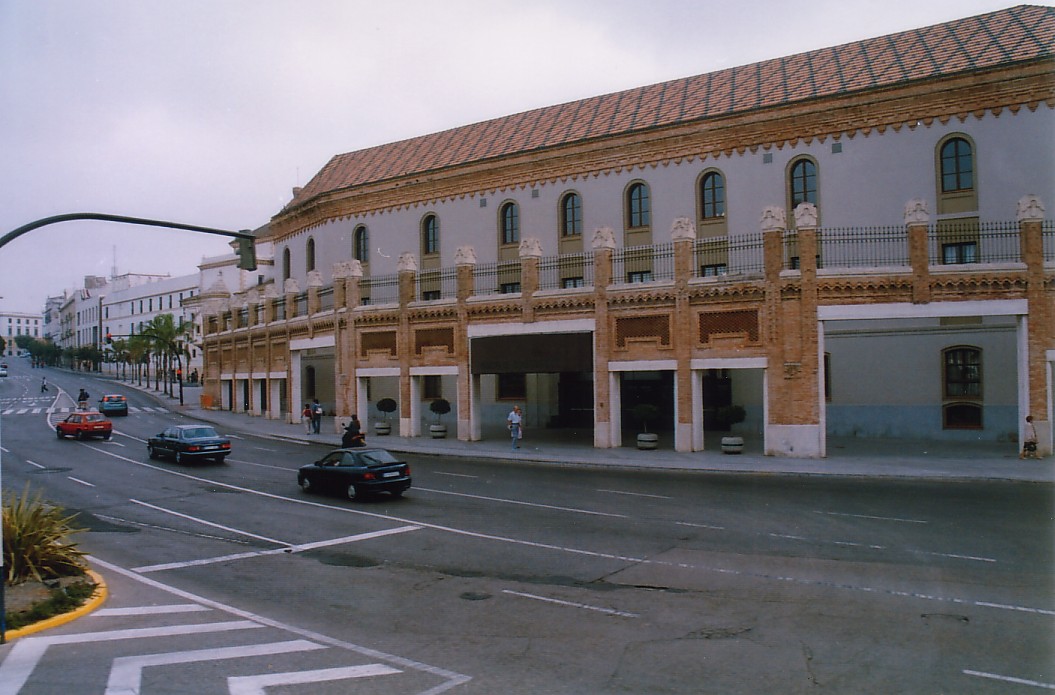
(208, 112)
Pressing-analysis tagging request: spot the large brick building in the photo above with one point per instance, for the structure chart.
(850, 241)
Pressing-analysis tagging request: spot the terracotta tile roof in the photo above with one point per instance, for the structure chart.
(1017, 34)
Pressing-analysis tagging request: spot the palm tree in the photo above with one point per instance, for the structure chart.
(163, 332)
(139, 353)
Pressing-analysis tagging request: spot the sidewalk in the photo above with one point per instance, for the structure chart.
(865, 458)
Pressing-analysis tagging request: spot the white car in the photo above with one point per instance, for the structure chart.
(3, 371)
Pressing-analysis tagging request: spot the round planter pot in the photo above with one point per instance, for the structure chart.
(647, 441)
(732, 445)
(382, 428)
(438, 431)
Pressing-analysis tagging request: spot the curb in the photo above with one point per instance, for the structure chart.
(94, 601)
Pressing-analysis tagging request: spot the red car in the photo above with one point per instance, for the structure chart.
(84, 424)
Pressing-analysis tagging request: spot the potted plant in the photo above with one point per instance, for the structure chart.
(440, 406)
(386, 406)
(727, 416)
(645, 412)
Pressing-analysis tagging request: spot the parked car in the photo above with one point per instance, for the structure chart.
(84, 424)
(113, 404)
(3, 371)
(356, 473)
(187, 442)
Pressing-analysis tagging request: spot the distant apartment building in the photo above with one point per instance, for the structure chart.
(14, 324)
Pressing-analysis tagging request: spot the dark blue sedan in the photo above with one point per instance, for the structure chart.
(356, 473)
(189, 442)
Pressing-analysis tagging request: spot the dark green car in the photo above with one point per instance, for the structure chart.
(356, 473)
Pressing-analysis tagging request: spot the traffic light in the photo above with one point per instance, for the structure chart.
(246, 254)
(179, 375)
(109, 338)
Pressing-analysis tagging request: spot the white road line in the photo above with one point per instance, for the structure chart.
(577, 551)
(686, 523)
(455, 475)
(209, 523)
(255, 685)
(274, 551)
(637, 494)
(869, 516)
(608, 611)
(34, 463)
(452, 679)
(1010, 679)
(525, 504)
(955, 556)
(28, 651)
(149, 610)
(126, 675)
(78, 480)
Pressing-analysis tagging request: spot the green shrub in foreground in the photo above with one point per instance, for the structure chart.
(36, 542)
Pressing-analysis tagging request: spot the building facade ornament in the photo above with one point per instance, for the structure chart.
(530, 247)
(1030, 209)
(315, 278)
(916, 212)
(682, 228)
(465, 255)
(806, 216)
(408, 263)
(290, 286)
(774, 219)
(603, 238)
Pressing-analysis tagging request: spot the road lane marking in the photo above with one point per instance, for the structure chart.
(636, 494)
(34, 463)
(208, 523)
(28, 651)
(608, 611)
(577, 551)
(686, 523)
(126, 674)
(869, 516)
(455, 475)
(149, 610)
(452, 678)
(82, 482)
(525, 504)
(255, 685)
(1010, 679)
(145, 569)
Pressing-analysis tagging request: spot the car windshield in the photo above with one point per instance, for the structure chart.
(375, 458)
(198, 433)
(95, 417)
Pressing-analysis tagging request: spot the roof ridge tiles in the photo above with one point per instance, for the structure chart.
(1016, 34)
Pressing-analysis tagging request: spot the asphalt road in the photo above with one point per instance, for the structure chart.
(505, 578)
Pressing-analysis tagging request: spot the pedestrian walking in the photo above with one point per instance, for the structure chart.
(316, 416)
(44, 385)
(306, 418)
(515, 422)
(1029, 440)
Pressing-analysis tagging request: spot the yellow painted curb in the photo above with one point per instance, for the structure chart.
(94, 601)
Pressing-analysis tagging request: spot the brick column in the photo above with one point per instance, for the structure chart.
(1041, 333)
(603, 245)
(683, 235)
(407, 267)
(291, 289)
(917, 219)
(314, 285)
(530, 253)
(465, 267)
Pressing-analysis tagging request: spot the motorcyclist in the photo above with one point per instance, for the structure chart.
(353, 434)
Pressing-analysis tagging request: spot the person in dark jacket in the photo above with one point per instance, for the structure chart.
(353, 434)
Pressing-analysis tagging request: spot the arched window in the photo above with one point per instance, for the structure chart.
(430, 235)
(309, 255)
(802, 182)
(957, 166)
(638, 206)
(509, 221)
(285, 264)
(361, 244)
(712, 196)
(571, 215)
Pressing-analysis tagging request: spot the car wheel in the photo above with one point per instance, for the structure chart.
(58, 433)
(152, 452)
(219, 459)
(80, 435)
(305, 484)
(106, 437)
(353, 493)
(397, 493)
(179, 457)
